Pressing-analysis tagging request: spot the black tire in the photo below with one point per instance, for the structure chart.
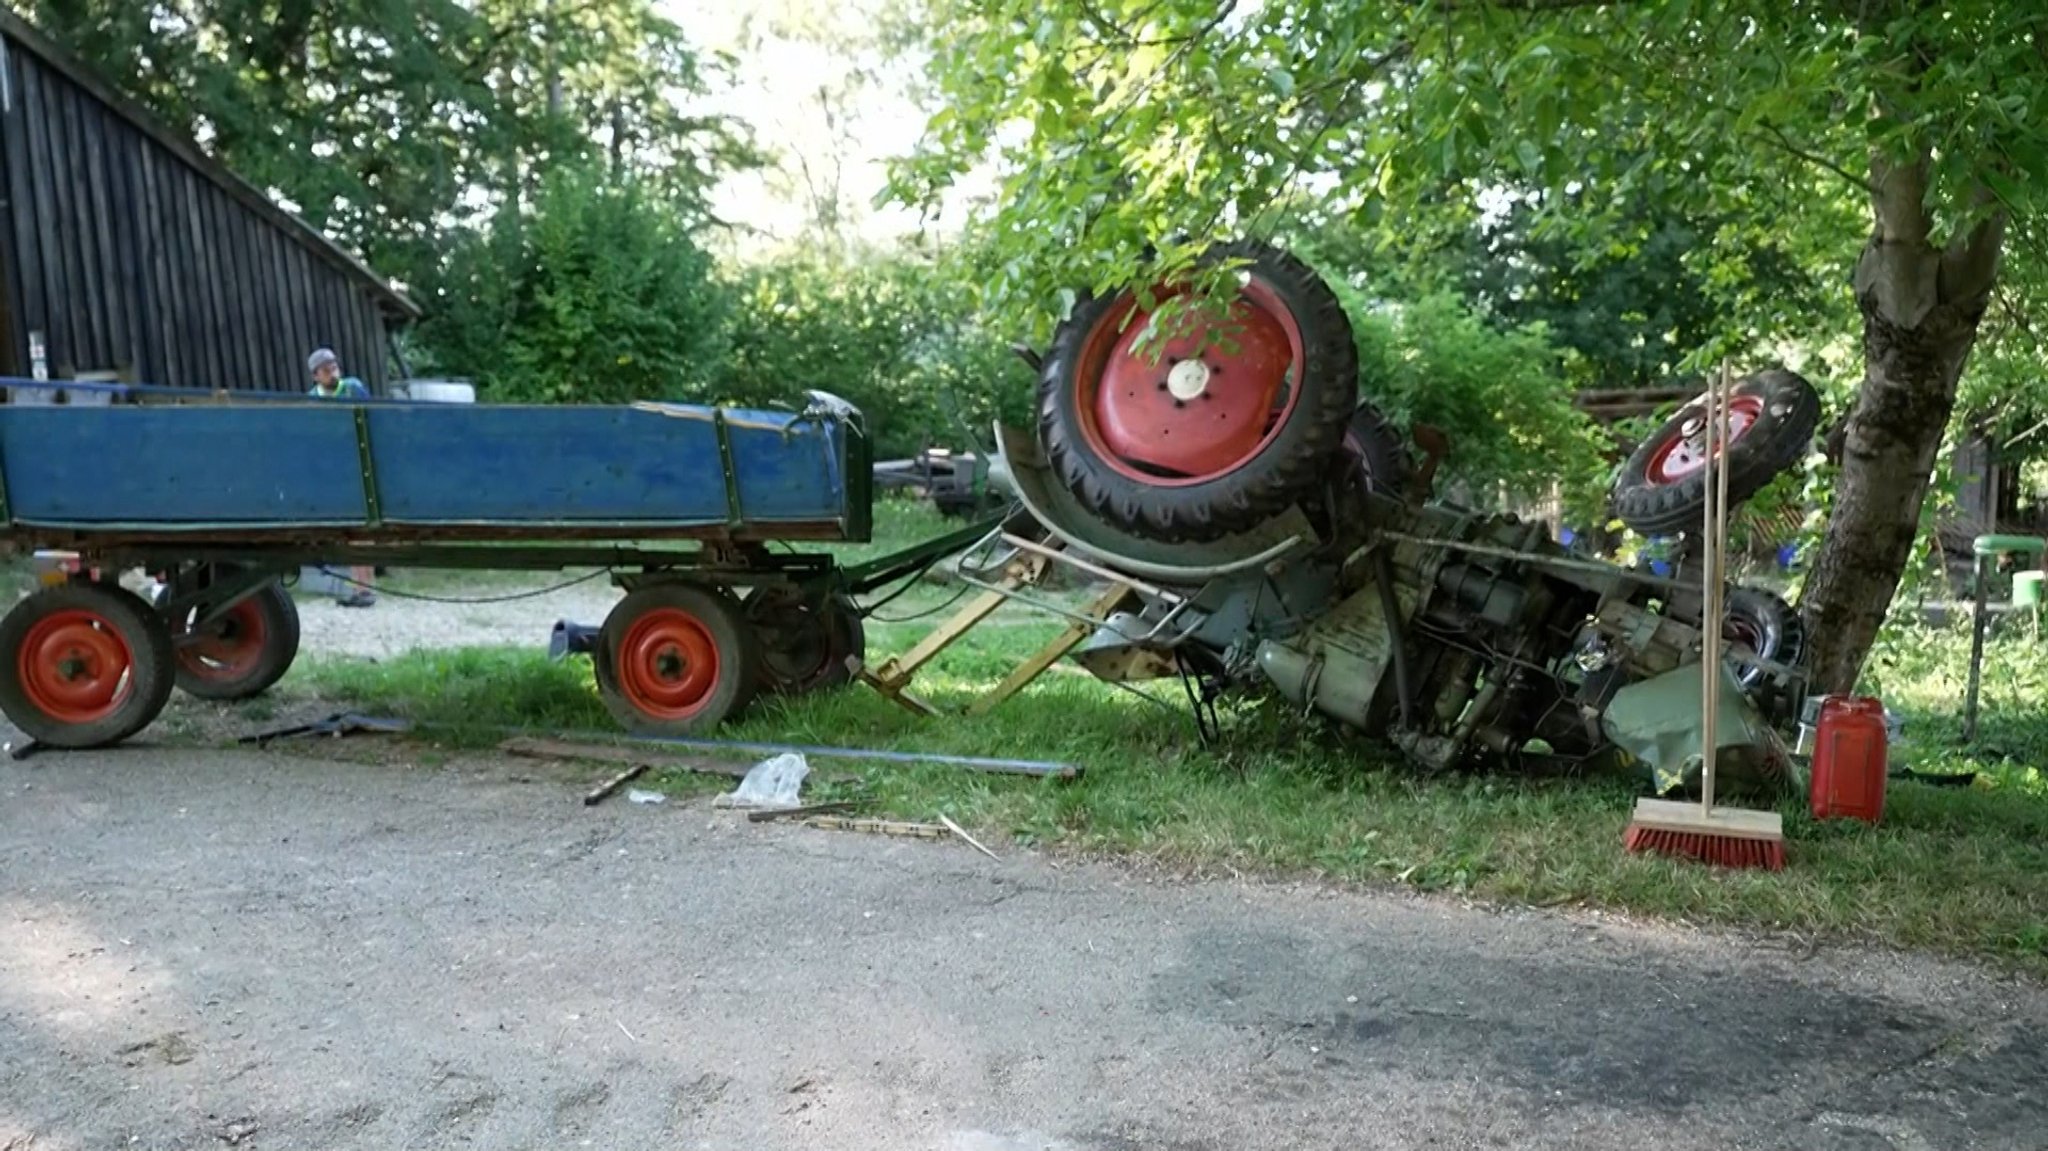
(251, 649)
(1765, 623)
(89, 630)
(1782, 434)
(1380, 460)
(1290, 465)
(653, 641)
(804, 647)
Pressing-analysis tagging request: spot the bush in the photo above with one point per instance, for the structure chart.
(893, 333)
(597, 293)
(1499, 395)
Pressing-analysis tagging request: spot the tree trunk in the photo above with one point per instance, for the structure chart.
(1921, 306)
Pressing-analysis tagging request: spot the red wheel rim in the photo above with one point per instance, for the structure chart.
(231, 646)
(75, 667)
(1744, 632)
(668, 664)
(1185, 410)
(1684, 452)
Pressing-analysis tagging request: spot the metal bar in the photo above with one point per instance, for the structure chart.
(733, 516)
(1976, 650)
(1047, 769)
(1179, 606)
(370, 504)
(868, 575)
(1091, 569)
(1025, 673)
(1615, 573)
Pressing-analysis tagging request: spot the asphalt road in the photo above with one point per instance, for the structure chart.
(205, 950)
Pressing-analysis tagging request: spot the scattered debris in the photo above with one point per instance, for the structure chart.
(1033, 767)
(172, 1047)
(527, 748)
(626, 1033)
(605, 790)
(774, 782)
(236, 1131)
(972, 842)
(766, 814)
(18, 752)
(878, 826)
(645, 798)
(337, 725)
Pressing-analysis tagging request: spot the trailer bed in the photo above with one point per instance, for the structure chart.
(323, 471)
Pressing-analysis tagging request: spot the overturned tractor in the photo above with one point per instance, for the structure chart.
(1230, 470)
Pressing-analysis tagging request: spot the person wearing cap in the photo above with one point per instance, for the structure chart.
(329, 383)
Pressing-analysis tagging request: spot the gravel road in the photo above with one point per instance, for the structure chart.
(204, 950)
(395, 625)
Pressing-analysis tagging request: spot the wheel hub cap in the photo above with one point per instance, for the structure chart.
(1188, 380)
(1193, 395)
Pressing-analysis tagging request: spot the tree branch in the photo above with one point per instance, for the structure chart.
(1784, 142)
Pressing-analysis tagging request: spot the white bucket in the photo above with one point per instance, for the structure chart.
(437, 391)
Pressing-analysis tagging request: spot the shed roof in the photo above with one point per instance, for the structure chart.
(29, 38)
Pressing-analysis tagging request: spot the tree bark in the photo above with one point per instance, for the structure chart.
(1921, 307)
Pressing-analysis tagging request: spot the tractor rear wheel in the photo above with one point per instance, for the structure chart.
(1213, 424)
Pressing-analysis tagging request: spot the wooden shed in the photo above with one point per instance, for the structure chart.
(132, 255)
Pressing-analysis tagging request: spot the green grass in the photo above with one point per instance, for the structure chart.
(1958, 870)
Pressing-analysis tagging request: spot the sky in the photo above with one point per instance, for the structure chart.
(776, 88)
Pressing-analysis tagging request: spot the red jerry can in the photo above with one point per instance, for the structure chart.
(1849, 759)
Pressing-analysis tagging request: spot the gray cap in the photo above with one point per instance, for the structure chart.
(321, 359)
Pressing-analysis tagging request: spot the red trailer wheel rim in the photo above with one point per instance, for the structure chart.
(668, 664)
(1684, 452)
(74, 666)
(231, 647)
(1184, 410)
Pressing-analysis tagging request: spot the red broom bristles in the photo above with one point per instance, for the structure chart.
(1708, 847)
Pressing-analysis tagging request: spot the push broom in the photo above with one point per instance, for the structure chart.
(1730, 837)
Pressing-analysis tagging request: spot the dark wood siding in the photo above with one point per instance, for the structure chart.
(130, 254)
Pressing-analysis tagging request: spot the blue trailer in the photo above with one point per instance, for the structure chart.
(220, 495)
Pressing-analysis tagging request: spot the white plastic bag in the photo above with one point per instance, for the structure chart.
(771, 783)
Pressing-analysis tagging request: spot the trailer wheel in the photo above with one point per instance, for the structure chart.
(674, 659)
(245, 652)
(1771, 419)
(84, 665)
(805, 647)
(1216, 424)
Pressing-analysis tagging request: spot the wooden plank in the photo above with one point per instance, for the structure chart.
(86, 300)
(899, 670)
(160, 292)
(109, 283)
(189, 302)
(234, 248)
(1067, 640)
(138, 308)
(51, 292)
(25, 269)
(278, 359)
(205, 278)
(530, 748)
